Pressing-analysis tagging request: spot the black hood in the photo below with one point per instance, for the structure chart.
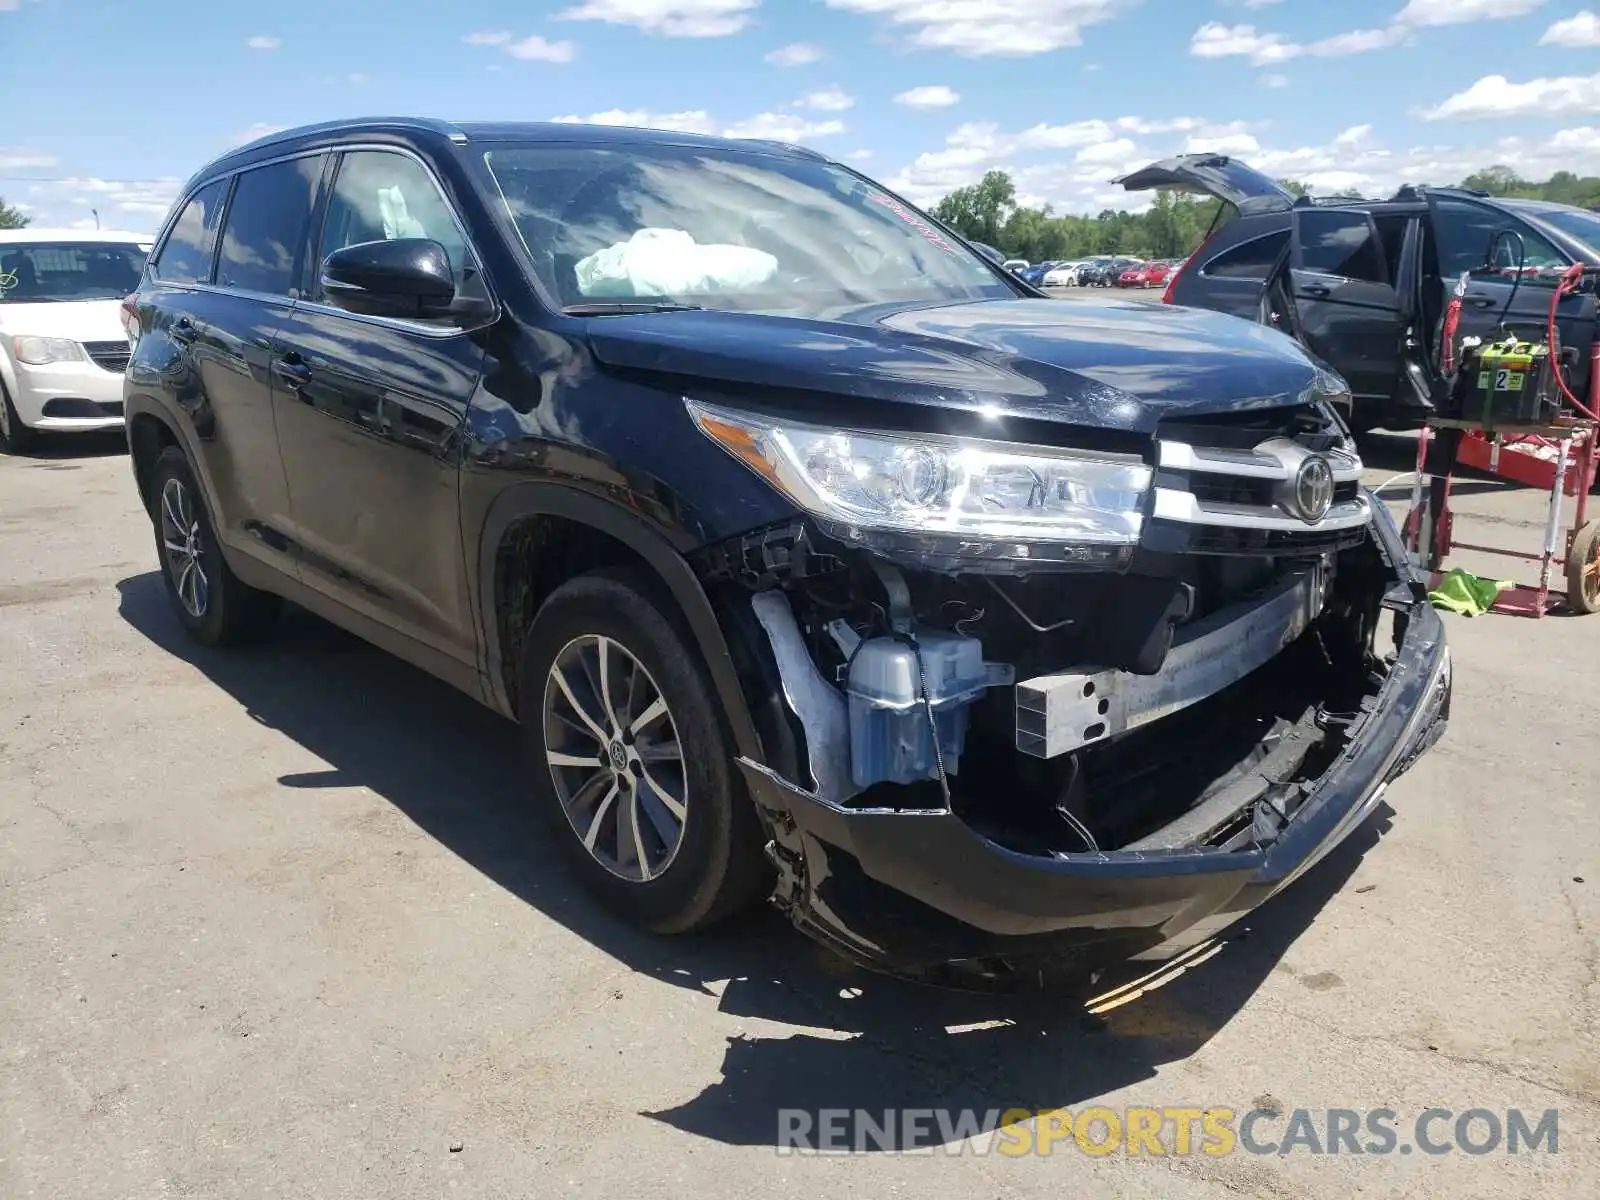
(1115, 366)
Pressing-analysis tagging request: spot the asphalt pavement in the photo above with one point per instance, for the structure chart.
(278, 922)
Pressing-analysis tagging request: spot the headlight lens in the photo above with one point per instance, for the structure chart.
(1087, 506)
(38, 351)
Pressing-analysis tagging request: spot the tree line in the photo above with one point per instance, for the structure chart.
(1174, 224)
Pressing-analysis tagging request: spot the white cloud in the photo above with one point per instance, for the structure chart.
(1118, 150)
(828, 99)
(11, 6)
(357, 78)
(697, 121)
(1172, 125)
(263, 42)
(783, 127)
(536, 49)
(668, 18)
(1239, 145)
(1275, 81)
(497, 37)
(1354, 136)
(1259, 3)
(135, 201)
(796, 54)
(1462, 12)
(19, 159)
(259, 130)
(1216, 40)
(1579, 30)
(932, 96)
(1496, 96)
(989, 27)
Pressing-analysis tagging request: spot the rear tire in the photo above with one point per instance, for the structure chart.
(649, 809)
(15, 437)
(211, 603)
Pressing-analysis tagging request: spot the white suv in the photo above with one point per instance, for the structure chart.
(62, 343)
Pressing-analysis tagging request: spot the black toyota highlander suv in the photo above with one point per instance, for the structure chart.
(993, 637)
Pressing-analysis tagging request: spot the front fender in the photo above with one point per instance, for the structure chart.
(540, 498)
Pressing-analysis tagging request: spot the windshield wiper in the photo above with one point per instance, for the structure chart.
(623, 308)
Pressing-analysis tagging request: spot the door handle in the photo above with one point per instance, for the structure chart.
(1318, 290)
(1479, 301)
(183, 331)
(291, 371)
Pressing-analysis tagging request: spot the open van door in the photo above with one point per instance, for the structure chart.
(1217, 175)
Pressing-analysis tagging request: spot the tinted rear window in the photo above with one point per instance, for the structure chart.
(1249, 260)
(266, 226)
(186, 255)
(1340, 243)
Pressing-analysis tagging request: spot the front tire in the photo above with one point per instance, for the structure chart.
(214, 607)
(15, 437)
(631, 765)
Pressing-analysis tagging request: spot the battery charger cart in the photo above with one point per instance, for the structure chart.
(1511, 398)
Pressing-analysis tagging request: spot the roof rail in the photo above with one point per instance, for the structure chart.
(786, 147)
(425, 124)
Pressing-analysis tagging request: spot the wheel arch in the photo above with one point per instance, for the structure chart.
(148, 435)
(628, 538)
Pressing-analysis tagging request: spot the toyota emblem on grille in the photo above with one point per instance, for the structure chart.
(1313, 489)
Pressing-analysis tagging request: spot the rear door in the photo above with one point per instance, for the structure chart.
(1217, 175)
(258, 259)
(1462, 232)
(1345, 304)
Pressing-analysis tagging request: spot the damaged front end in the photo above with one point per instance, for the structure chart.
(1009, 757)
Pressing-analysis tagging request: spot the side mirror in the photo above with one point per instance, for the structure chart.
(405, 277)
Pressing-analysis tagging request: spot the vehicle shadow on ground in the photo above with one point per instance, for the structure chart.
(63, 447)
(847, 1039)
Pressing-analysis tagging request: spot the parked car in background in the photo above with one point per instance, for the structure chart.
(1016, 265)
(1157, 273)
(1357, 280)
(62, 345)
(1106, 273)
(1034, 275)
(1062, 274)
(1133, 276)
(703, 460)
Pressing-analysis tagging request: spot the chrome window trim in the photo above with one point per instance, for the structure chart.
(229, 175)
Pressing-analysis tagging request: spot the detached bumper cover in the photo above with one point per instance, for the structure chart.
(911, 891)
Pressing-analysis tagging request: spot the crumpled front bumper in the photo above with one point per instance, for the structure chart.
(913, 891)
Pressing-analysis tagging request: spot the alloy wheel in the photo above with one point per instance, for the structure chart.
(615, 757)
(180, 537)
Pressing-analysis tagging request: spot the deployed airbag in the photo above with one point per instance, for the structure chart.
(669, 262)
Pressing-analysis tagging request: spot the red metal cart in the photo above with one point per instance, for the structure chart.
(1446, 443)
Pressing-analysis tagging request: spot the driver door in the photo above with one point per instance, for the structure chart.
(1347, 309)
(1464, 237)
(370, 413)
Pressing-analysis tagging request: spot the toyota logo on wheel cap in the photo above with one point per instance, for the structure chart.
(1313, 489)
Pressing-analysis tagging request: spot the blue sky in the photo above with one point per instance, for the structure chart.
(109, 104)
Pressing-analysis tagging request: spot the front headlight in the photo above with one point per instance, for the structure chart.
(37, 351)
(976, 498)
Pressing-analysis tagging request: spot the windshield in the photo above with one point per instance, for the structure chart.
(1582, 225)
(726, 229)
(43, 272)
